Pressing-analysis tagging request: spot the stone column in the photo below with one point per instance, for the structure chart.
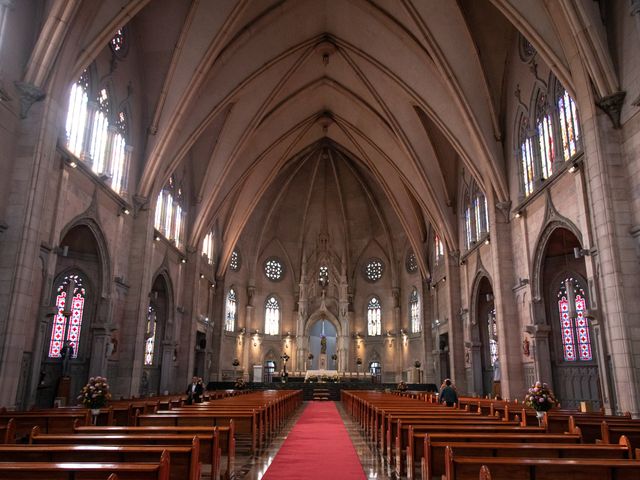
(427, 333)
(451, 290)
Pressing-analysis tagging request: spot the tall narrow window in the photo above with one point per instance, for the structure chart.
(438, 248)
(467, 227)
(544, 131)
(568, 119)
(572, 303)
(77, 115)
(99, 133)
(170, 216)
(374, 317)
(414, 311)
(272, 316)
(526, 158)
(493, 336)
(230, 311)
(234, 263)
(67, 322)
(476, 215)
(207, 247)
(150, 336)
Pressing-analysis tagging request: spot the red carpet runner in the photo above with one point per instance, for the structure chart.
(318, 447)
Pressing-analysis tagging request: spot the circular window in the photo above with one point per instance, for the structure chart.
(411, 262)
(273, 269)
(119, 44)
(234, 263)
(373, 270)
(526, 50)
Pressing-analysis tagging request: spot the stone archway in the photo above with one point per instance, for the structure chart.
(313, 331)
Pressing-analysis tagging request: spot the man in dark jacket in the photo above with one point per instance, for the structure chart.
(195, 391)
(448, 394)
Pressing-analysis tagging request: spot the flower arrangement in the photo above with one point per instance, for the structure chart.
(235, 362)
(95, 394)
(540, 397)
(335, 378)
(402, 386)
(240, 384)
(311, 379)
(417, 364)
(324, 378)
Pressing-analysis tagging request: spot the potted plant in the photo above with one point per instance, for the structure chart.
(540, 398)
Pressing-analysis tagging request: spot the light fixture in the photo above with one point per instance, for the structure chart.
(183, 260)
(73, 164)
(518, 214)
(486, 241)
(581, 252)
(212, 285)
(202, 275)
(124, 211)
(573, 168)
(156, 238)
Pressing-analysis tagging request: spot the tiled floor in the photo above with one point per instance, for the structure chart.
(252, 467)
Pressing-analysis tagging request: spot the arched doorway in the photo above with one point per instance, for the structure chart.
(67, 345)
(486, 334)
(155, 339)
(322, 328)
(572, 351)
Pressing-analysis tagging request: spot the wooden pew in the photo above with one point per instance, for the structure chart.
(50, 421)
(611, 433)
(226, 436)
(433, 461)
(184, 463)
(509, 468)
(8, 432)
(418, 449)
(209, 444)
(85, 471)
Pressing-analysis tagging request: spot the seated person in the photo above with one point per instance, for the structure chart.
(448, 394)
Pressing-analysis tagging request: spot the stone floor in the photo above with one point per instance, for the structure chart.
(253, 467)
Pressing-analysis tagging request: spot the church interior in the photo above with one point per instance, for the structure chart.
(387, 191)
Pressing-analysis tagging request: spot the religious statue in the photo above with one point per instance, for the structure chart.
(323, 344)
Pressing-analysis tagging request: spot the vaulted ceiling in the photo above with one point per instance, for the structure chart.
(409, 90)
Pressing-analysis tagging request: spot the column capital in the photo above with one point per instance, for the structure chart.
(29, 94)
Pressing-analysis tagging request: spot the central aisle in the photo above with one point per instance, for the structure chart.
(318, 447)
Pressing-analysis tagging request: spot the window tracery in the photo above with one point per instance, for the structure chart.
(170, 216)
(273, 269)
(231, 312)
(67, 323)
(476, 215)
(272, 316)
(234, 263)
(414, 311)
(373, 269)
(207, 247)
(374, 317)
(575, 331)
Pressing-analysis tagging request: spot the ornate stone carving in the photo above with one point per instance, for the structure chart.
(612, 106)
(505, 209)
(29, 94)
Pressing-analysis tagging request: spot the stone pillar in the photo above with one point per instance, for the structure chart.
(512, 373)
(451, 291)
(427, 333)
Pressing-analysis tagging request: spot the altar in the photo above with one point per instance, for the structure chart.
(319, 373)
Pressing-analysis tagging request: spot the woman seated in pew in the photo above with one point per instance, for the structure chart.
(448, 394)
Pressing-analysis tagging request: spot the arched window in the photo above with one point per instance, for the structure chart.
(568, 121)
(323, 276)
(170, 216)
(411, 262)
(414, 311)
(95, 136)
(554, 136)
(67, 323)
(374, 317)
(526, 157)
(207, 247)
(476, 215)
(544, 132)
(438, 249)
(572, 303)
(231, 311)
(150, 336)
(272, 316)
(234, 263)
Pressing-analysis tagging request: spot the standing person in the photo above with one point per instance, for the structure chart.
(448, 394)
(194, 391)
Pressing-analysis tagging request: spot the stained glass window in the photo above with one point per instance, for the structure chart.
(438, 248)
(150, 336)
(411, 262)
(544, 131)
(230, 311)
(468, 238)
(493, 336)
(273, 269)
(373, 270)
(77, 115)
(67, 323)
(414, 311)
(476, 215)
(576, 338)
(374, 317)
(568, 119)
(526, 159)
(272, 316)
(234, 263)
(118, 42)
